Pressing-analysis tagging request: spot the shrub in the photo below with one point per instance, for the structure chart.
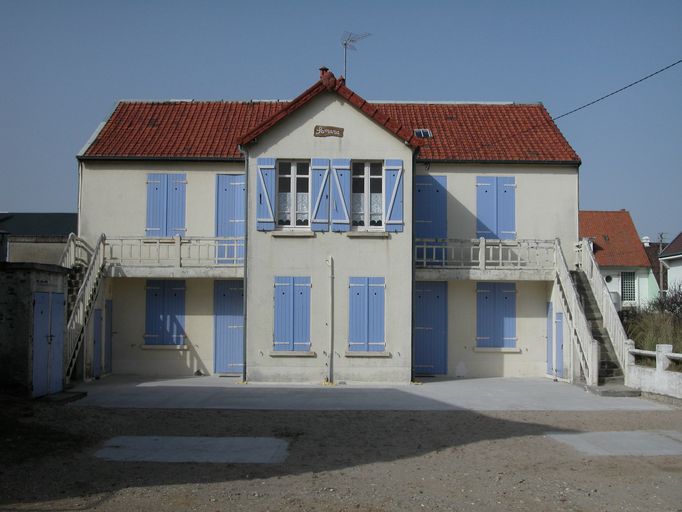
(650, 327)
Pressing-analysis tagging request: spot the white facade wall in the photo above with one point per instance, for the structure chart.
(529, 357)
(130, 355)
(643, 294)
(674, 272)
(113, 196)
(546, 200)
(269, 256)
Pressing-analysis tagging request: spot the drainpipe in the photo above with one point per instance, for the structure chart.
(245, 152)
(330, 262)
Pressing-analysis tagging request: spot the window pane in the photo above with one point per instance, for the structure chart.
(302, 185)
(375, 209)
(284, 184)
(358, 185)
(284, 209)
(302, 168)
(375, 185)
(285, 168)
(358, 209)
(375, 169)
(358, 168)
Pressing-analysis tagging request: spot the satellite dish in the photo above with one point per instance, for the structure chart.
(348, 40)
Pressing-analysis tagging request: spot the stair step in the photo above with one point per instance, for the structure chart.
(614, 390)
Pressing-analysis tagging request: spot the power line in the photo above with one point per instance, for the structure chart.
(527, 130)
(618, 90)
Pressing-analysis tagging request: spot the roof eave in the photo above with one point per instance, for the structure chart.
(504, 162)
(100, 158)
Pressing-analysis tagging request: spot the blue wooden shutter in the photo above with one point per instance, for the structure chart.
(154, 332)
(486, 206)
(485, 314)
(506, 208)
(340, 186)
(265, 194)
(357, 313)
(320, 194)
(393, 198)
(376, 341)
(505, 312)
(301, 313)
(284, 313)
(175, 214)
(174, 304)
(156, 205)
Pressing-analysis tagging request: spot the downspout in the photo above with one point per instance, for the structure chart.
(413, 271)
(330, 377)
(245, 152)
(80, 192)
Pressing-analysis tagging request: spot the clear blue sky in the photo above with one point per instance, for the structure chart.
(63, 65)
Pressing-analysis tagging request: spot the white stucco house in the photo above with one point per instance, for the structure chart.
(329, 238)
(621, 256)
(672, 259)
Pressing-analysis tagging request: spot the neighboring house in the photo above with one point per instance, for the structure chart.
(35, 237)
(330, 238)
(653, 250)
(672, 259)
(621, 257)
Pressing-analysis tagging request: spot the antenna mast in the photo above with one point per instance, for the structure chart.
(348, 40)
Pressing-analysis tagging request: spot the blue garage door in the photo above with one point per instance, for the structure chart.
(229, 326)
(48, 343)
(430, 328)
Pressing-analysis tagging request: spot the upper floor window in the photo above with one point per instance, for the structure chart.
(366, 195)
(293, 198)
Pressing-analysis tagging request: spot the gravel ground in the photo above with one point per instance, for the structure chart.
(338, 461)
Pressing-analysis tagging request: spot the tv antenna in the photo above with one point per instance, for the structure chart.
(348, 40)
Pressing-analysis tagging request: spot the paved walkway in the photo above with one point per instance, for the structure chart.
(495, 394)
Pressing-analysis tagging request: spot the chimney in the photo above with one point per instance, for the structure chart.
(323, 71)
(646, 241)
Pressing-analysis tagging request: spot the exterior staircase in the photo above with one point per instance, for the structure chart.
(85, 276)
(611, 381)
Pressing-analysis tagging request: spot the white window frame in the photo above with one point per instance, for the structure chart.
(367, 177)
(293, 182)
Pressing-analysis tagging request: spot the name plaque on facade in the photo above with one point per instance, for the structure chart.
(328, 131)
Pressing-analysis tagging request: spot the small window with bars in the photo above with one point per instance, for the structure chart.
(627, 287)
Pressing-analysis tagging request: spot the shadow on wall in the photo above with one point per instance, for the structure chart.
(318, 441)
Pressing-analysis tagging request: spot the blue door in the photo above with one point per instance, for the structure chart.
(550, 340)
(228, 310)
(56, 342)
(97, 344)
(108, 334)
(430, 215)
(41, 332)
(48, 343)
(230, 217)
(430, 328)
(560, 345)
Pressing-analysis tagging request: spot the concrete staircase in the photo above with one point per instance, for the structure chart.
(611, 380)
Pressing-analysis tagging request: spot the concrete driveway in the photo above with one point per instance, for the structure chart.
(494, 394)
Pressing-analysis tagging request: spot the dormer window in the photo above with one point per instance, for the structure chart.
(423, 133)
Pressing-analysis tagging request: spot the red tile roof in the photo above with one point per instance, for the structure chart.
(674, 248)
(213, 129)
(616, 242)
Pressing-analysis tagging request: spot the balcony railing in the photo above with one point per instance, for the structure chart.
(175, 252)
(482, 254)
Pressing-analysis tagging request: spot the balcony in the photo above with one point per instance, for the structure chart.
(215, 257)
(481, 259)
